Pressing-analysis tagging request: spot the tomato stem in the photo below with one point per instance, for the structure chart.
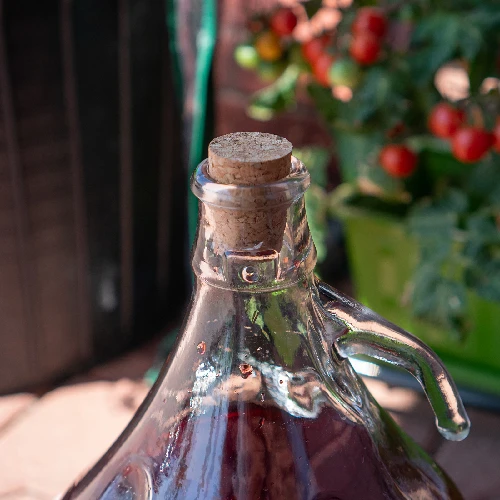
(477, 117)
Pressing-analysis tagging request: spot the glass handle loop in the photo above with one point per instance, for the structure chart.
(369, 334)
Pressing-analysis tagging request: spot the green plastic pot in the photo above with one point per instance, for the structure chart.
(382, 257)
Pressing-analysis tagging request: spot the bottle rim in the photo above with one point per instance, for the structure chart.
(241, 197)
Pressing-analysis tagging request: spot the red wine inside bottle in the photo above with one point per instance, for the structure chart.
(253, 452)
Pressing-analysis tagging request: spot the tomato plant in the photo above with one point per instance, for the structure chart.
(399, 114)
(283, 22)
(369, 20)
(444, 120)
(365, 48)
(470, 144)
(398, 160)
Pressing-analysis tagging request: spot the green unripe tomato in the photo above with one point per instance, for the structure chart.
(345, 72)
(246, 56)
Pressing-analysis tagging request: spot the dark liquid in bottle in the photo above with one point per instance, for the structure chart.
(254, 452)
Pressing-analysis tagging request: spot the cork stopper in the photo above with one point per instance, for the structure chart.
(249, 159)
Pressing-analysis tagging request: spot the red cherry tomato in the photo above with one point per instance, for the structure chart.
(321, 69)
(365, 48)
(445, 120)
(369, 20)
(397, 160)
(496, 136)
(314, 48)
(470, 144)
(283, 22)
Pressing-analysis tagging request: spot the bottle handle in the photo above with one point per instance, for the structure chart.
(368, 333)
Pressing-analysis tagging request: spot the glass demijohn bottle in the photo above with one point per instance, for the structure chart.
(258, 400)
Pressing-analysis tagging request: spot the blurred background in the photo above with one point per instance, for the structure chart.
(106, 107)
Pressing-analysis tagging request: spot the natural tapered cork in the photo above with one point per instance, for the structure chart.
(249, 158)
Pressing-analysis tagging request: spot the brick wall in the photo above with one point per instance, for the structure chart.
(234, 86)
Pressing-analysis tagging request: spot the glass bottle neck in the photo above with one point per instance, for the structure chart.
(253, 238)
(256, 269)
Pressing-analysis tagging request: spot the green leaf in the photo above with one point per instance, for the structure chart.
(275, 98)
(316, 160)
(312, 6)
(324, 102)
(316, 205)
(391, 187)
(484, 276)
(494, 197)
(483, 183)
(426, 62)
(451, 305)
(469, 40)
(428, 28)
(453, 200)
(489, 288)
(482, 228)
(435, 224)
(486, 18)
(425, 281)
(439, 293)
(427, 142)
(434, 42)
(439, 300)
(466, 33)
(448, 207)
(482, 247)
(372, 94)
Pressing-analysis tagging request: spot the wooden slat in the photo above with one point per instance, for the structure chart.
(29, 340)
(46, 163)
(77, 180)
(126, 180)
(167, 164)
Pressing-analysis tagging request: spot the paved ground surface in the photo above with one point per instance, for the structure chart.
(46, 442)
